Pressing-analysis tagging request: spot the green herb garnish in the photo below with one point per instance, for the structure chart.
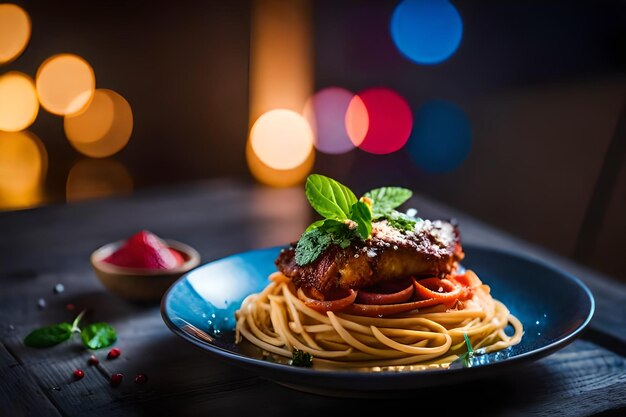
(384, 202)
(49, 335)
(329, 198)
(465, 358)
(98, 335)
(362, 215)
(301, 358)
(315, 241)
(385, 199)
(94, 336)
(401, 221)
(346, 218)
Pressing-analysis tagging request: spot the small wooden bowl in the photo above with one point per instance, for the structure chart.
(139, 284)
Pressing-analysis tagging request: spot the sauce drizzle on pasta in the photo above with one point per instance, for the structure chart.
(425, 328)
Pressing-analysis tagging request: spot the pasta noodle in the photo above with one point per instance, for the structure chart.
(281, 318)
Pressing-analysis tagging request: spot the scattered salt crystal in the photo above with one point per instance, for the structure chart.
(411, 212)
(41, 303)
(395, 247)
(59, 288)
(371, 253)
(440, 289)
(356, 255)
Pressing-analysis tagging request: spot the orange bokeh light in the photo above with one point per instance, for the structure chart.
(281, 139)
(103, 128)
(15, 29)
(65, 84)
(23, 167)
(97, 178)
(281, 55)
(18, 101)
(357, 120)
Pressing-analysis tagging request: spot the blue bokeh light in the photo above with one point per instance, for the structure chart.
(426, 31)
(442, 137)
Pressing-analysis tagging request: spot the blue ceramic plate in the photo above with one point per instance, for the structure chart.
(553, 306)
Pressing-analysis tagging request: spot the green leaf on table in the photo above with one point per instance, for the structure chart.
(49, 336)
(76, 321)
(98, 335)
(385, 199)
(362, 215)
(328, 197)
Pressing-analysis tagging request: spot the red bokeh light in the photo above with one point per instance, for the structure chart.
(390, 121)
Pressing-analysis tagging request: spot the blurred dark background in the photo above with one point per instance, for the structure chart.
(542, 85)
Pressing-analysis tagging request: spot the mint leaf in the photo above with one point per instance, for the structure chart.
(314, 242)
(340, 234)
(385, 199)
(49, 336)
(400, 221)
(311, 245)
(362, 215)
(315, 225)
(328, 197)
(98, 335)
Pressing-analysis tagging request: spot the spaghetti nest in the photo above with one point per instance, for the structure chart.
(416, 321)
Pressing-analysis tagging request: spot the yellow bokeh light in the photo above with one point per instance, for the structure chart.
(278, 177)
(97, 178)
(23, 167)
(18, 101)
(281, 55)
(281, 139)
(103, 128)
(65, 84)
(357, 121)
(15, 28)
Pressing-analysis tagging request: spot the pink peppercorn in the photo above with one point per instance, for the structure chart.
(116, 379)
(114, 353)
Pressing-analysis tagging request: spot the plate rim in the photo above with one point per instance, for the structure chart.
(525, 357)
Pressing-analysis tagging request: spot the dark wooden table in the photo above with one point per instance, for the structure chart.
(45, 246)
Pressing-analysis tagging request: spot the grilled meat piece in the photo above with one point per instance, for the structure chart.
(433, 248)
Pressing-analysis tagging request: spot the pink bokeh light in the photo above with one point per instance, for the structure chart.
(326, 113)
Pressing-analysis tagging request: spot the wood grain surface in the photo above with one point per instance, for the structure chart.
(42, 247)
